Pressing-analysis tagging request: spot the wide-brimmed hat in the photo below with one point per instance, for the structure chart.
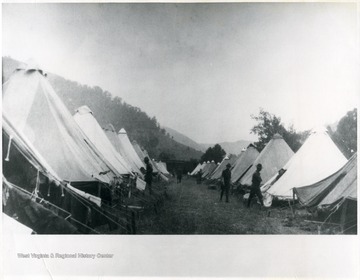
(228, 165)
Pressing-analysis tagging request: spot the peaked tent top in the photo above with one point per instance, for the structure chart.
(122, 131)
(127, 150)
(83, 110)
(32, 107)
(110, 127)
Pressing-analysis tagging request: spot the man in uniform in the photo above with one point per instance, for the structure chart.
(226, 174)
(148, 174)
(255, 187)
(198, 177)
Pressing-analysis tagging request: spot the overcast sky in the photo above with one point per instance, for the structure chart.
(201, 69)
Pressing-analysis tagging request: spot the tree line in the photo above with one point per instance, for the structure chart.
(268, 124)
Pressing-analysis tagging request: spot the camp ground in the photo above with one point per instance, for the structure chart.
(79, 176)
(66, 168)
(214, 129)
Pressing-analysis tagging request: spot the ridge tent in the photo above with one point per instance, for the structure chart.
(34, 110)
(317, 158)
(274, 156)
(91, 128)
(222, 166)
(244, 162)
(333, 190)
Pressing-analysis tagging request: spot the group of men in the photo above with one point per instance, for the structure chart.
(255, 186)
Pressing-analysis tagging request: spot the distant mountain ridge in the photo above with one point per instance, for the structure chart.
(112, 109)
(229, 147)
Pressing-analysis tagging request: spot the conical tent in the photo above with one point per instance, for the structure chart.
(112, 135)
(91, 128)
(22, 161)
(230, 159)
(127, 149)
(317, 158)
(332, 190)
(139, 151)
(206, 166)
(161, 166)
(142, 154)
(274, 156)
(244, 162)
(196, 169)
(209, 168)
(33, 108)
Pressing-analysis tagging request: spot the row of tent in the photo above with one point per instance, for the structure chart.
(73, 153)
(318, 174)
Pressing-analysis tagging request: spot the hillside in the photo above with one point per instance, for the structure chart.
(230, 147)
(109, 109)
(183, 139)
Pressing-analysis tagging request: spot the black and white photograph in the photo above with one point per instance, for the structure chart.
(175, 124)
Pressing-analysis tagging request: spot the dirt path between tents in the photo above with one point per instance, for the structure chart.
(195, 209)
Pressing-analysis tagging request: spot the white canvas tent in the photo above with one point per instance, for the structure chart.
(35, 159)
(161, 166)
(93, 131)
(228, 159)
(243, 162)
(142, 154)
(127, 149)
(199, 167)
(124, 148)
(139, 151)
(274, 156)
(208, 169)
(317, 158)
(333, 190)
(33, 109)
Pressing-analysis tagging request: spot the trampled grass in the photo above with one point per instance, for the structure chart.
(196, 209)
